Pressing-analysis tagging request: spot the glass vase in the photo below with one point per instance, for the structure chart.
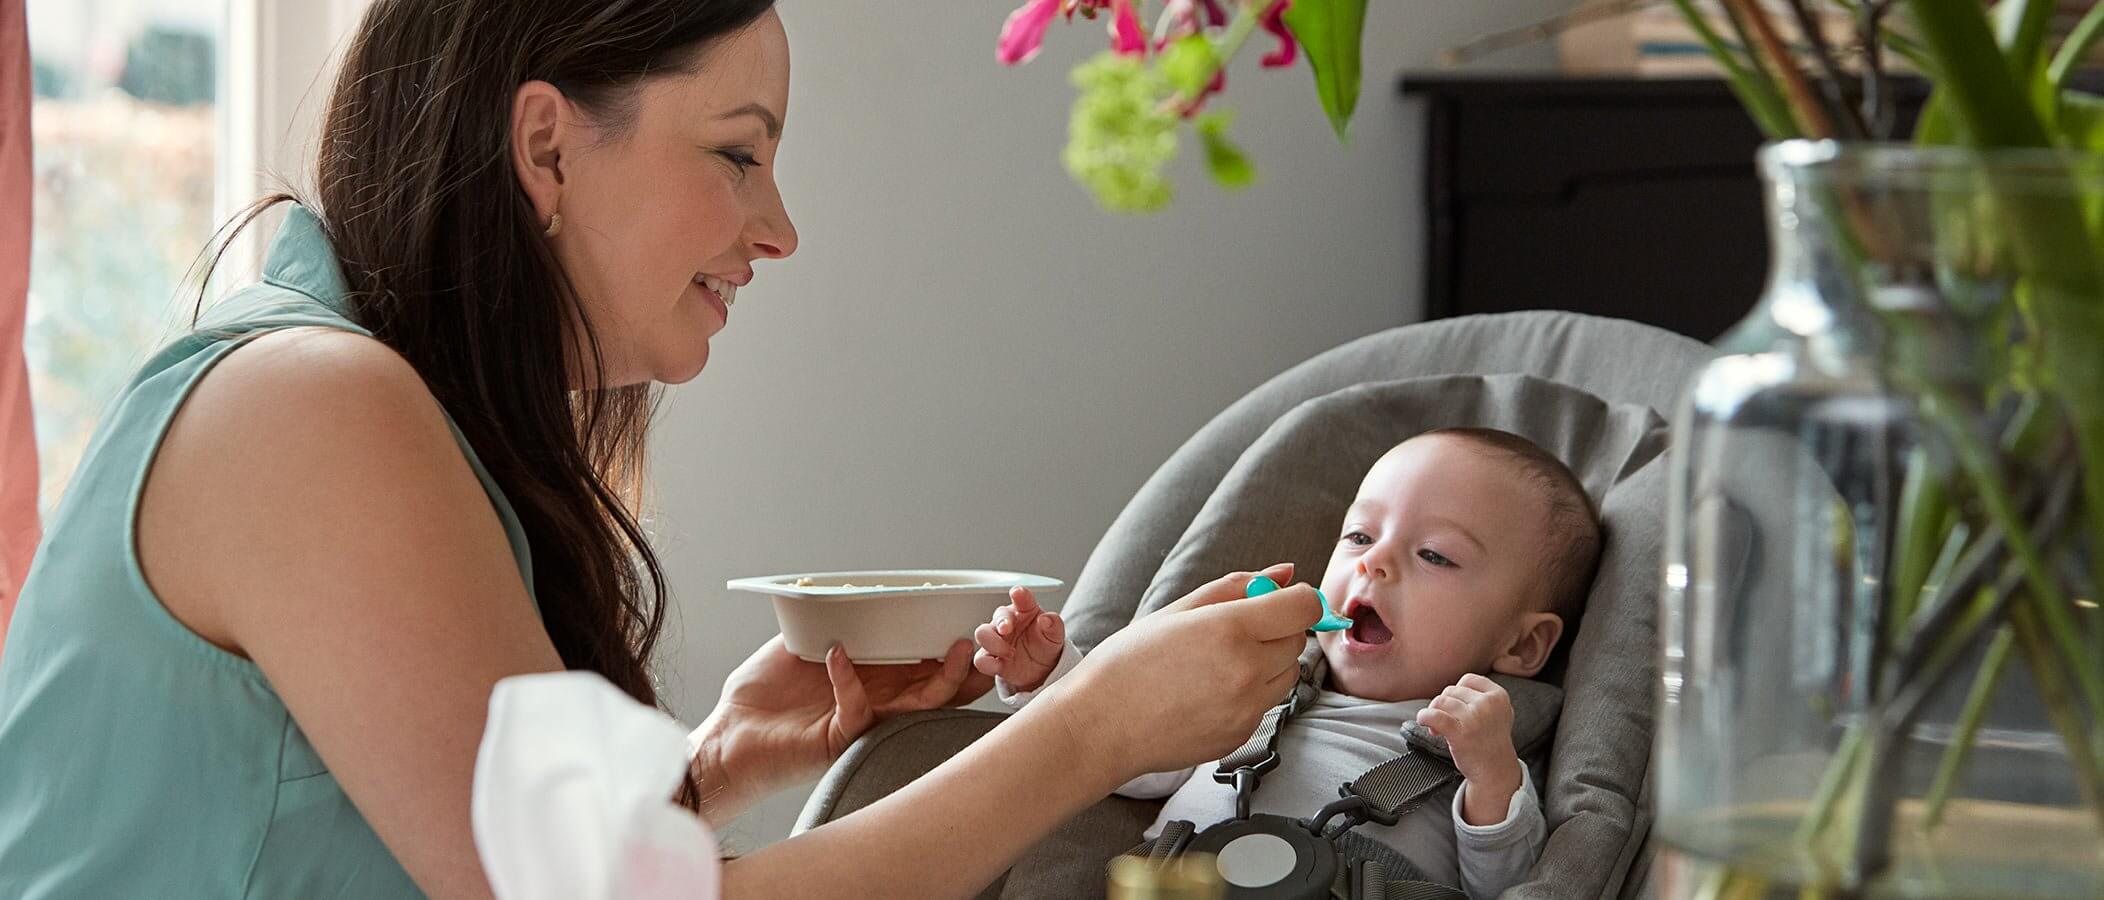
(1882, 658)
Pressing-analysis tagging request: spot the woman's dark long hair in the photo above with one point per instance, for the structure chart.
(445, 261)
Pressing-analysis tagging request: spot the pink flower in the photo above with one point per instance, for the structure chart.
(1179, 19)
(1024, 32)
(1127, 38)
(1214, 15)
(1274, 21)
(1197, 103)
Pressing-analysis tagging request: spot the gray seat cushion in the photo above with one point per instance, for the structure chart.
(1268, 479)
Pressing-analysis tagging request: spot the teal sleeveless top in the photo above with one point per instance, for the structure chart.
(136, 759)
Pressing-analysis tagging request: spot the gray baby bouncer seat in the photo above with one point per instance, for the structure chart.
(1268, 480)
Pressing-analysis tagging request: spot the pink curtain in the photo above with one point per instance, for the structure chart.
(18, 447)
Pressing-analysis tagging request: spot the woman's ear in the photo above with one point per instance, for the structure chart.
(1531, 645)
(542, 128)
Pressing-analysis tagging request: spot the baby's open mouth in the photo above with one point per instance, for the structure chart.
(1367, 627)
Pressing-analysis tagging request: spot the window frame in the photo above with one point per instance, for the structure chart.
(277, 65)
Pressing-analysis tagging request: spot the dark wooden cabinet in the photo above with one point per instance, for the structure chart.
(1618, 197)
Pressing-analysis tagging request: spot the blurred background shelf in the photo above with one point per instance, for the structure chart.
(1617, 196)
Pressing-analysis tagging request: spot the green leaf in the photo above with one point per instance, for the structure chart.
(2080, 41)
(2082, 121)
(1985, 99)
(1329, 30)
(2080, 127)
(1190, 63)
(1936, 128)
(2020, 26)
(1226, 161)
(1749, 82)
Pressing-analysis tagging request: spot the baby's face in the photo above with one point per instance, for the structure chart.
(1435, 565)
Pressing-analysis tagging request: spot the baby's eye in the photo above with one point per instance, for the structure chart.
(1432, 556)
(1358, 538)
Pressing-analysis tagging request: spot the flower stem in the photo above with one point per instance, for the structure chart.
(1232, 38)
(1968, 728)
(1923, 500)
(1752, 85)
(2046, 598)
(1899, 43)
(2076, 48)
(2045, 672)
(1769, 48)
(1847, 759)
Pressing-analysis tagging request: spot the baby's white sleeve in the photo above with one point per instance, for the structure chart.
(1497, 856)
(1069, 657)
(1156, 785)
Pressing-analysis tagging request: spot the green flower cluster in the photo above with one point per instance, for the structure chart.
(1122, 133)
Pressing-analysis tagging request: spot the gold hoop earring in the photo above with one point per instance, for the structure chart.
(555, 226)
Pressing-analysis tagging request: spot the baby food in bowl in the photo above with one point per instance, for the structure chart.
(883, 617)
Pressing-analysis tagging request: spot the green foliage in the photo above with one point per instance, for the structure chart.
(1225, 160)
(1122, 134)
(1190, 62)
(1329, 32)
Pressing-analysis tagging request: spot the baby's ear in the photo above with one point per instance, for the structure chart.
(1532, 642)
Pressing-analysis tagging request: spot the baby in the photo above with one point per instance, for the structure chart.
(1464, 554)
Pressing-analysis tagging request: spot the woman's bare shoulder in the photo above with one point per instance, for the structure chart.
(307, 454)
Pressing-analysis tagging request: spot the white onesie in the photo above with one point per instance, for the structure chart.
(1337, 739)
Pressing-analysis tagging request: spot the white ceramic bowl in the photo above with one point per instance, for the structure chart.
(885, 617)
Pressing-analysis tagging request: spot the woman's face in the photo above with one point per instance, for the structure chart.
(662, 221)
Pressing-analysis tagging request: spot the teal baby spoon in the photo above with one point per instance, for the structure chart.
(1331, 621)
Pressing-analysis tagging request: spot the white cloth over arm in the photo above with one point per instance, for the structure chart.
(573, 797)
(1152, 786)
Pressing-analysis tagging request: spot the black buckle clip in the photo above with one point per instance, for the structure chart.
(1353, 810)
(1245, 779)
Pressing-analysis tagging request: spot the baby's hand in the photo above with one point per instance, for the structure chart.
(1022, 644)
(1475, 717)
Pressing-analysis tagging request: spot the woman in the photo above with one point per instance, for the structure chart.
(255, 655)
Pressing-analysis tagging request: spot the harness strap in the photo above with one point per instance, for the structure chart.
(1260, 752)
(1376, 871)
(1395, 788)
(1174, 837)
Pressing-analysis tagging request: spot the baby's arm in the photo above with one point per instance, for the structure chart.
(1156, 785)
(1026, 650)
(1024, 647)
(1497, 856)
(1498, 826)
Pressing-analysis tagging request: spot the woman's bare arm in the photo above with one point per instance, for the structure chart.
(311, 511)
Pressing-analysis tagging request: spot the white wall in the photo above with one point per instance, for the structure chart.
(967, 364)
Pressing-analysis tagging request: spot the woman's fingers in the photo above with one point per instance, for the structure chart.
(851, 712)
(932, 688)
(1283, 682)
(1233, 586)
(1288, 612)
(956, 667)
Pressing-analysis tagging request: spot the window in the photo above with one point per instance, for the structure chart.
(153, 123)
(126, 144)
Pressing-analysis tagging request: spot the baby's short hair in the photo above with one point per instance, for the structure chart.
(1574, 522)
